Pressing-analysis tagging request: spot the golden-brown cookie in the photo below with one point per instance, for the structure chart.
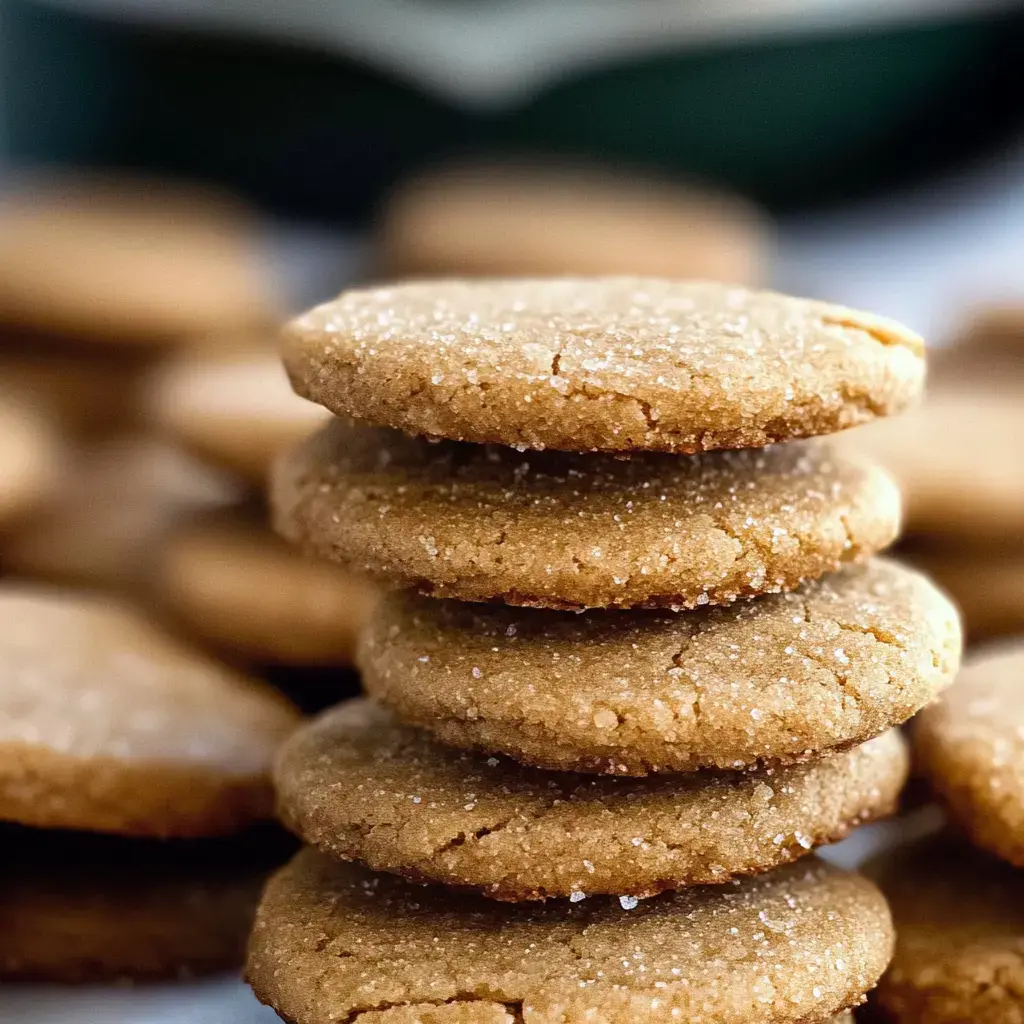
(234, 409)
(956, 461)
(233, 583)
(531, 219)
(129, 261)
(360, 786)
(30, 459)
(560, 530)
(111, 510)
(778, 679)
(89, 908)
(959, 918)
(109, 725)
(970, 746)
(333, 942)
(610, 364)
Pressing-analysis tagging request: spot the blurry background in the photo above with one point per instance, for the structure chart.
(179, 176)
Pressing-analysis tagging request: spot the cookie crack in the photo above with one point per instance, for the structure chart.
(885, 337)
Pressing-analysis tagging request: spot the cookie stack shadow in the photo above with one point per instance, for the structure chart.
(641, 659)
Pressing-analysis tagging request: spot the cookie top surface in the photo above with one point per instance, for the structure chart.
(213, 575)
(611, 364)
(81, 907)
(971, 748)
(129, 261)
(774, 680)
(108, 724)
(959, 918)
(530, 218)
(561, 530)
(956, 462)
(234, 409)
(334, 942)
(358, 785)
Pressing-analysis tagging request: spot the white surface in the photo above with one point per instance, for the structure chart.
(487, 53)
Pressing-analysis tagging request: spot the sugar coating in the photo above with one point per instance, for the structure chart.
(234, 409)
(610, 364)
(959, 917)
(333, 942)
(971, 748)
(774, 680)
(561, 530)
(358, 785)
(107, 723)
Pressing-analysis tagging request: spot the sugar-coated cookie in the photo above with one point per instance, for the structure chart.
(233, 409)
(128, 261)
(778, 679)
(233, 583)
(561, 530)
(959, 917)
(89, 908)
(333, 942)
(358, 785)
(612, 364)
(970, 746)
(109, 725)
(517, 218)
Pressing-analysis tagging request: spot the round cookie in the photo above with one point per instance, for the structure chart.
(232, 409)
(776, 680)
(213, 576)
(360, 786)
(29, 459)
(109, 725)
(129, 261)
(605, 364)
(532, 219)
(333, 942)
(959, 919)
(970, 746)
(560, 530)
(957, 463)
(110, 512)
(90, 908)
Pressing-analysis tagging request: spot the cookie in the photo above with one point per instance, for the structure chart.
(109, 725)
(533, 219)
(88, 908)
(987, 585)
(959, 919)
(360, 786)
(612, 364)
(213, 575)
(560, 530)
(333, 942)
(957, 464)
(30, 460)
(234, 410)
(114, 503)
(775, 680)
(970, 747)
(127, 260)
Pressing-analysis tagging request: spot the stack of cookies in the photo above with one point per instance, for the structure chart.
(641, 661)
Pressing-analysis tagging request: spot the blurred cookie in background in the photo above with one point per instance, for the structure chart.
(30, 459)
(535, 219)
(957, 460)
(233, 583)
(233, 409)
(85, 907)
(987, 585)
(114, 503)
(124, 260)
(959, 917)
